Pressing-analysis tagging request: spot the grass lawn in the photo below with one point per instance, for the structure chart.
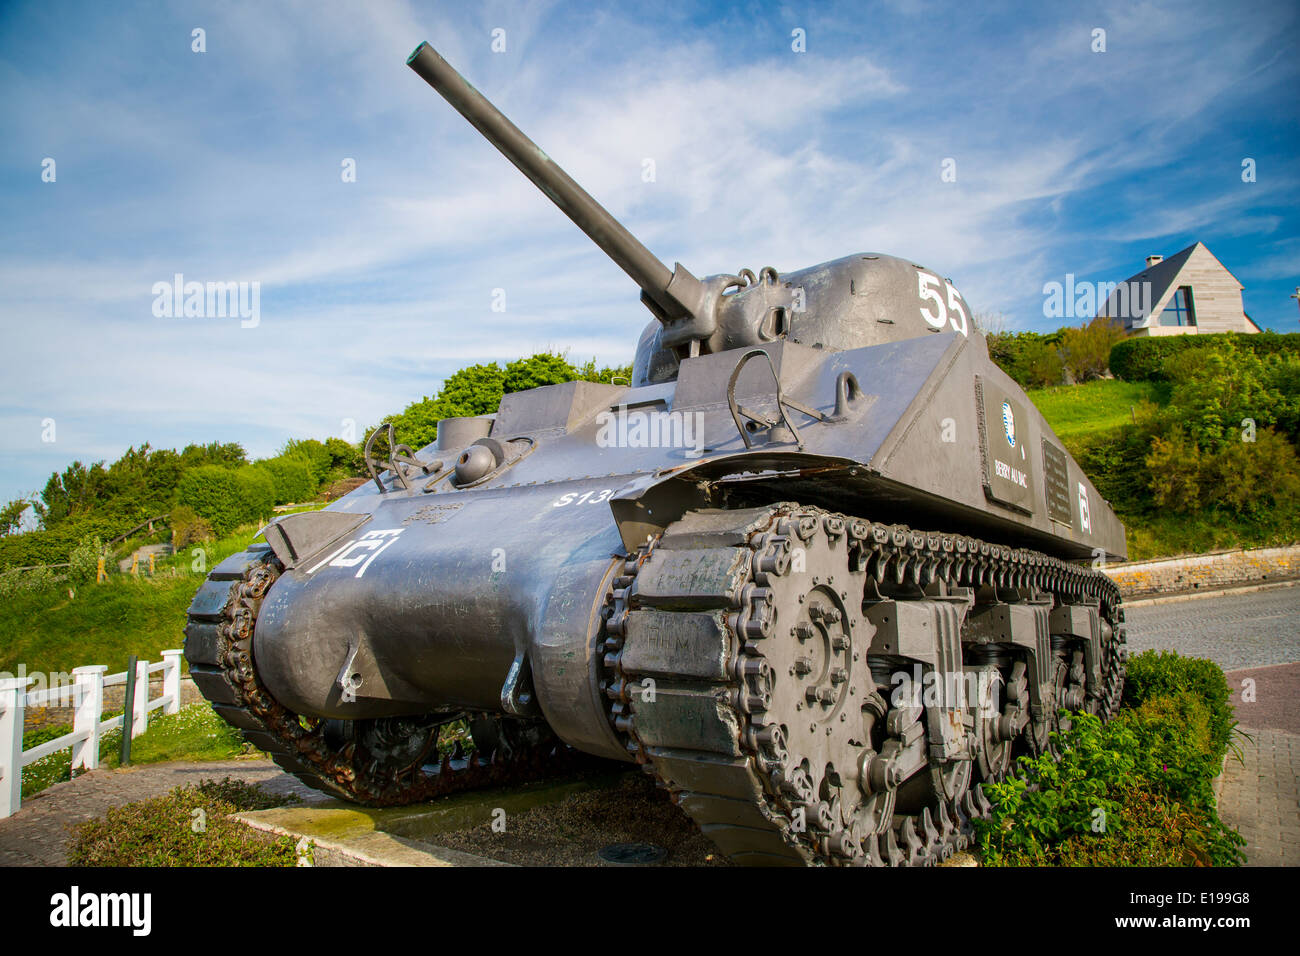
(1154, 536)
(1077, 410)
(50, 632)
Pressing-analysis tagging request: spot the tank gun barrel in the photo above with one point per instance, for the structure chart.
(670, 294)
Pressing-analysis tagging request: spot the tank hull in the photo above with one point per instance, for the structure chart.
(488, 598)
(433, 606)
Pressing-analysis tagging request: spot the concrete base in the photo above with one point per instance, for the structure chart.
(344, 834)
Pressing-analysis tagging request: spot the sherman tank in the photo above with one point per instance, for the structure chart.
(820, 568)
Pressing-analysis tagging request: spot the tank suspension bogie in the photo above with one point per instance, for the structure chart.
(798, 715)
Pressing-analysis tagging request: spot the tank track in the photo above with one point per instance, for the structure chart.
(703, 676)
(374, 762)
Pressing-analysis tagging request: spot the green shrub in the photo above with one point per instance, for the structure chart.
(1142, 358)
(1050, 800)
(1095, 803)
(213, 493)
(1038, 365)
(53, 545)
(33, 581)
(1242, 478)
(188, 528)
(256, 493)
(292, 478)
(316, 454)
(1085, 350)
(191, 826)
(545, 368)
(84, 560)
(1151, 831)
(345, 460)
(227, 497)
(1152, 675)
(1115, 461)
(1218, 394)
(1031, 358)
(1217, 448)
(1136, 791)
(478, 390)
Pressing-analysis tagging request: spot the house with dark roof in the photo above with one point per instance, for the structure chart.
(1191, 292)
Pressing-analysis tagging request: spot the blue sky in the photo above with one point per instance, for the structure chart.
(226, 166)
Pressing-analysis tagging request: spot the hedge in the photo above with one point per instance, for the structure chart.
(227, 497)
(1137, 791)
(1141, 359)
(53, 546)
(292, 477)
(1154, 674)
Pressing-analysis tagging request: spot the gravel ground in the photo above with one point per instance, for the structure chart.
(1235, 631)
(570, 833)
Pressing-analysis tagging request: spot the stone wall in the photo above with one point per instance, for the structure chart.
(1206, 571)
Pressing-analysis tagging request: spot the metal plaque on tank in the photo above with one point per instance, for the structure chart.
(1056, 482)
(1007, 476)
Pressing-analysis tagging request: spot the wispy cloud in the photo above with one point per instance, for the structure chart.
(226, 166)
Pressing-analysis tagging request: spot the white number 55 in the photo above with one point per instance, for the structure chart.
(928, 288)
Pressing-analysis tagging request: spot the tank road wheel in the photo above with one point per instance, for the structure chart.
(996, 732)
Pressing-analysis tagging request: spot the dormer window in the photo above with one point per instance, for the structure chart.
(1179, 310)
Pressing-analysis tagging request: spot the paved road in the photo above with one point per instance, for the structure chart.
(1260, 796)
(1255, 637)
(1234, 630)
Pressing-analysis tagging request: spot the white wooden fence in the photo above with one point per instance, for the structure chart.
(87, 696)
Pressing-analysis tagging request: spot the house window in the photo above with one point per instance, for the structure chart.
(1178, 310)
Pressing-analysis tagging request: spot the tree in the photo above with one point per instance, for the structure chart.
(606, 375)
(1038, 365)
(474, 390)
(544, 368)
(70, 493)
(315, 453)
(344, 458)
(11, 515)
(990, 323)
(1085, 351)
(231, 454)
